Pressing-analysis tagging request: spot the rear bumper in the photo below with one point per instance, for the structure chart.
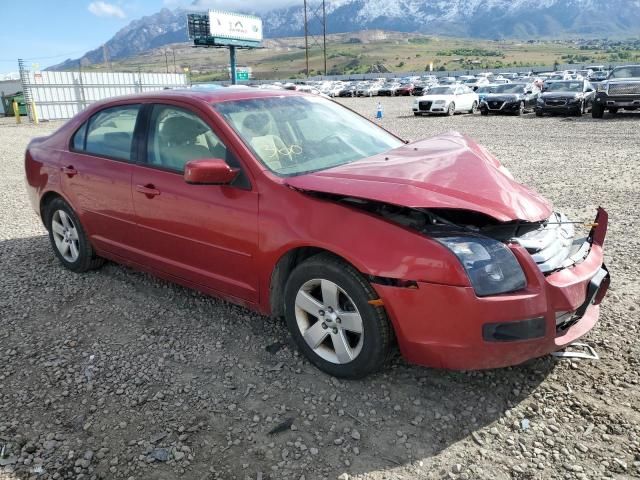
(444, 326)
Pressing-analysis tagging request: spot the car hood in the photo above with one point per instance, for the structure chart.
(448, 171)
(433, 98)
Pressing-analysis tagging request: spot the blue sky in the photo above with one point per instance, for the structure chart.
(46, 32)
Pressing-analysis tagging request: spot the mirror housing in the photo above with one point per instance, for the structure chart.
(209, 171)
(589, 90)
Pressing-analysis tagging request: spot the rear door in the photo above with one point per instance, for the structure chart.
(206, 234)
(96, 176)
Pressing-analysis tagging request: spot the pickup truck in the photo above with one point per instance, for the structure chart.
(621, 89)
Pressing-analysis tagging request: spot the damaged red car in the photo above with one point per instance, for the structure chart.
(295, 206)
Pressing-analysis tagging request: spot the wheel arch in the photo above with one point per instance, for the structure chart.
(283, 268)
(45, 200)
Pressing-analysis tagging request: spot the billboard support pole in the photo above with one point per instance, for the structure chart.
(232, 61)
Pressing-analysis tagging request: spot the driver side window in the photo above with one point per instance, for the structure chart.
(177, 136)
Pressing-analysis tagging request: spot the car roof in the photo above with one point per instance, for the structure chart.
(207, 96)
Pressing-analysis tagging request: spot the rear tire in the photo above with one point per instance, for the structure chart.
(597, 111)
(318, 293)
(68, 239)
(520, 110)
(474, 108)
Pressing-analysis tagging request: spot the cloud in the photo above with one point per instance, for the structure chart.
(104, 9)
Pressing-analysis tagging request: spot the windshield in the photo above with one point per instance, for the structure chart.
(471, 80)
(485, 89)
(565, 87)
(626, 72)
(299, 134)
(441, 91)
(508, 88)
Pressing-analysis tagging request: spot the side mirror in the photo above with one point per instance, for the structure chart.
(589, 90)
(529, 92)
(209, 171)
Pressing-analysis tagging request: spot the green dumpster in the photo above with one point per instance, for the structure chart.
(7, 104)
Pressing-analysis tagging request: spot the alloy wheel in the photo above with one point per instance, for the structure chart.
(329, 321)
(65, 236)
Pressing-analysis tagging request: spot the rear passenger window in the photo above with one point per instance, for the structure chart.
(110, 132)
(78, 138)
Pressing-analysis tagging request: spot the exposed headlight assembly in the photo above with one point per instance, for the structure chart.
(601, 87)
(491, 266)
(438, 102)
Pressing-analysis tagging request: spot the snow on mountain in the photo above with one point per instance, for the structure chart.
(465, 18)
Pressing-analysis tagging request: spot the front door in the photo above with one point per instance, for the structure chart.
(206, 234)
(96, 177)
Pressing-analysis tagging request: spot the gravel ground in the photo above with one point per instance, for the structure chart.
(115, 374)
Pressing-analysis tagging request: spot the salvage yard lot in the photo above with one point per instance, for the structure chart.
(115, 374)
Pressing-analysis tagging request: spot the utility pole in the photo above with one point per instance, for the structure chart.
(105, 56)
(166, 61)
(324, 36)
(317, 16)
(174, 60)
(306, 37)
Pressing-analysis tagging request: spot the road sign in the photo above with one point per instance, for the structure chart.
(240, 75)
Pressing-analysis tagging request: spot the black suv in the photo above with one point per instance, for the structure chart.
(621, 89)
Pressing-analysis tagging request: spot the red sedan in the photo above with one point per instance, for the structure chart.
(406, 89)
(294, 206)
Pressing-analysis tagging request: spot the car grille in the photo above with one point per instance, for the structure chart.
(555, 103)
(495, 104)
(624, 89)
(553, 246)
(424, 105)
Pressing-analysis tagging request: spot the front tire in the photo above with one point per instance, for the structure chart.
(68, 238)
(597, 111)
(520, 110)
(329, 316)
(452, 109)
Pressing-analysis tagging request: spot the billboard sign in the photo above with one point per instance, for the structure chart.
(235, 26)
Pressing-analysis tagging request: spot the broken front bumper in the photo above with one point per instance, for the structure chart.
(450, 327)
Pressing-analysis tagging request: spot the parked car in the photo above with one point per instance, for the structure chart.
(389, 89)
(214, 189)
(566, 97)
(350, 90)
(406, 89)
(368, 90)
(447, 100)
(621, 89)
(420, 88)
(516, 98)
(474, 83)
(558, 77)
(483, 91)
(599, 76)
(448, 81)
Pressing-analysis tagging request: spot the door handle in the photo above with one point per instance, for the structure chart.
(149, 190)
(69, 171)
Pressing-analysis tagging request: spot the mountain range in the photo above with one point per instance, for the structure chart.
(489, 19)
